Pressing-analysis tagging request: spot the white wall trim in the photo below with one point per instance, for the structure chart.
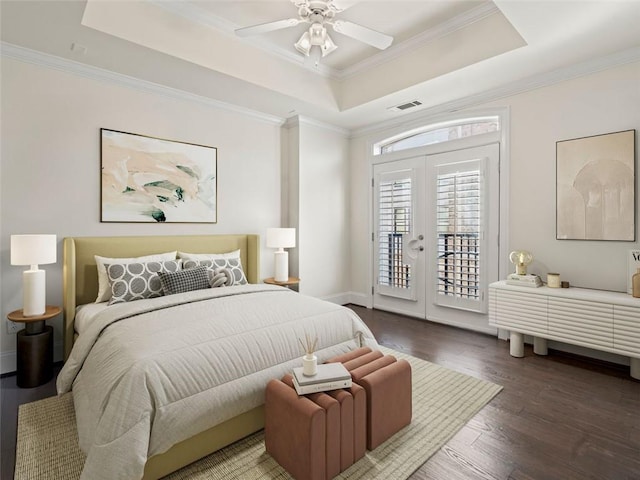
(298, 120)
(338, 298)
(413, 43)
(196, 14)
(527, 84)
(361, 299)
(34, 57)
(199, 15)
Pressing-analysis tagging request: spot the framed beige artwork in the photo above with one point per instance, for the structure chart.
(152, 180)
(595, 187)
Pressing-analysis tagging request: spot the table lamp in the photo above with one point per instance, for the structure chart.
(281, 238)
(33, 250)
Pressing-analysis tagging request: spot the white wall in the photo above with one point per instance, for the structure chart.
(594, 104)
(605, 102)
(360, 196)
(320, 209)
(50, 170)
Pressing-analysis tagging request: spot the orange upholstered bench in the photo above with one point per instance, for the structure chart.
(387, 383)
(316, 436)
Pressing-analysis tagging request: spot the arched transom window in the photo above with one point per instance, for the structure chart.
(438, 133)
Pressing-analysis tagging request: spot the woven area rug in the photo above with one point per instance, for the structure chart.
(443, 401)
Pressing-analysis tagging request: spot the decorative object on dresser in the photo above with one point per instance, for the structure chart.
(597, 319)
(33, 250)
(553, 280)
(632, 267)
(636, 284)
(595, 196)
(522, 259)
(281, 238)
(34, 347)
(147, 179)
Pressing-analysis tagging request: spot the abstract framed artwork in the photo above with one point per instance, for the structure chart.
(151, 180)
(595, 187)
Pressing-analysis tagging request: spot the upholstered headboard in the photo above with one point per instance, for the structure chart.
(80, 275)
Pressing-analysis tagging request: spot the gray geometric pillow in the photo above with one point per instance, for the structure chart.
(136, 281)
(184, 280)
(232, 264)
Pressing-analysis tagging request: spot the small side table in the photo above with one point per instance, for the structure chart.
(292, 282)
(35, 347)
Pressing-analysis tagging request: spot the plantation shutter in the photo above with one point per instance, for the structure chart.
(460, 239)
(394, 224)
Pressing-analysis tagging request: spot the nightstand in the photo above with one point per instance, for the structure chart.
(35, 347)
(291, 283)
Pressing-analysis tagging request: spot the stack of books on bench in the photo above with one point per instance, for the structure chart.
(330, 376)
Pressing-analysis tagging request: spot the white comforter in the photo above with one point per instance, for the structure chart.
(151, 373)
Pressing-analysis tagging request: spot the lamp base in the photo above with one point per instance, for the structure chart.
(281, 266)
(33, 293)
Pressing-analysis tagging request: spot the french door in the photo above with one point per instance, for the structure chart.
(436, 235)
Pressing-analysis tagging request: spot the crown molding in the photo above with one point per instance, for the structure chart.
(34, 57)
(456, 23)
(196, 14)
(298, 120)
(531, 83)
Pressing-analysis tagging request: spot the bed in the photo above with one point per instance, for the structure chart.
(112, 342)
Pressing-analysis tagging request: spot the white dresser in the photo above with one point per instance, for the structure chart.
(598, 319)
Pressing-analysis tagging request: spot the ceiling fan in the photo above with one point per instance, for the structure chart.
(319, 14)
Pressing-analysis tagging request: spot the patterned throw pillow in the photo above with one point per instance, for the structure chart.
(222, 277)
(233, 265)
(184, 280)
(104, 288)
(136, 281)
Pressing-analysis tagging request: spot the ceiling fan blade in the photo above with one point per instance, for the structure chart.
(364, 34)
(267, 27)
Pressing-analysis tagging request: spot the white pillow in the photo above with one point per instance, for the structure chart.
(104, 289)
(209, 256)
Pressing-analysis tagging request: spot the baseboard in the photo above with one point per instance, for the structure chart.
(338, 298)
(361, 299)
(8, 362)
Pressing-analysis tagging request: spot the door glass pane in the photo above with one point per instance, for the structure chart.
(459, 230)
(394, 222)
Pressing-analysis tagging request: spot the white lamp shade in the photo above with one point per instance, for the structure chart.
(33, 249)
(281, 237)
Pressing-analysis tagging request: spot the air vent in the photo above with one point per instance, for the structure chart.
(405, 106)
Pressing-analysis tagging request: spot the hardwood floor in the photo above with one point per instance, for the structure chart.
(558, 417)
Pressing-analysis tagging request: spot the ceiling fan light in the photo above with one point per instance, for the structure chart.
(304, 44)
(328, 46)
(317, 34)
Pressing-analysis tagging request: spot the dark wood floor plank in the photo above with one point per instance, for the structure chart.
(559, 417)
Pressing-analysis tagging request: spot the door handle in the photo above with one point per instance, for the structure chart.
(412, 246)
